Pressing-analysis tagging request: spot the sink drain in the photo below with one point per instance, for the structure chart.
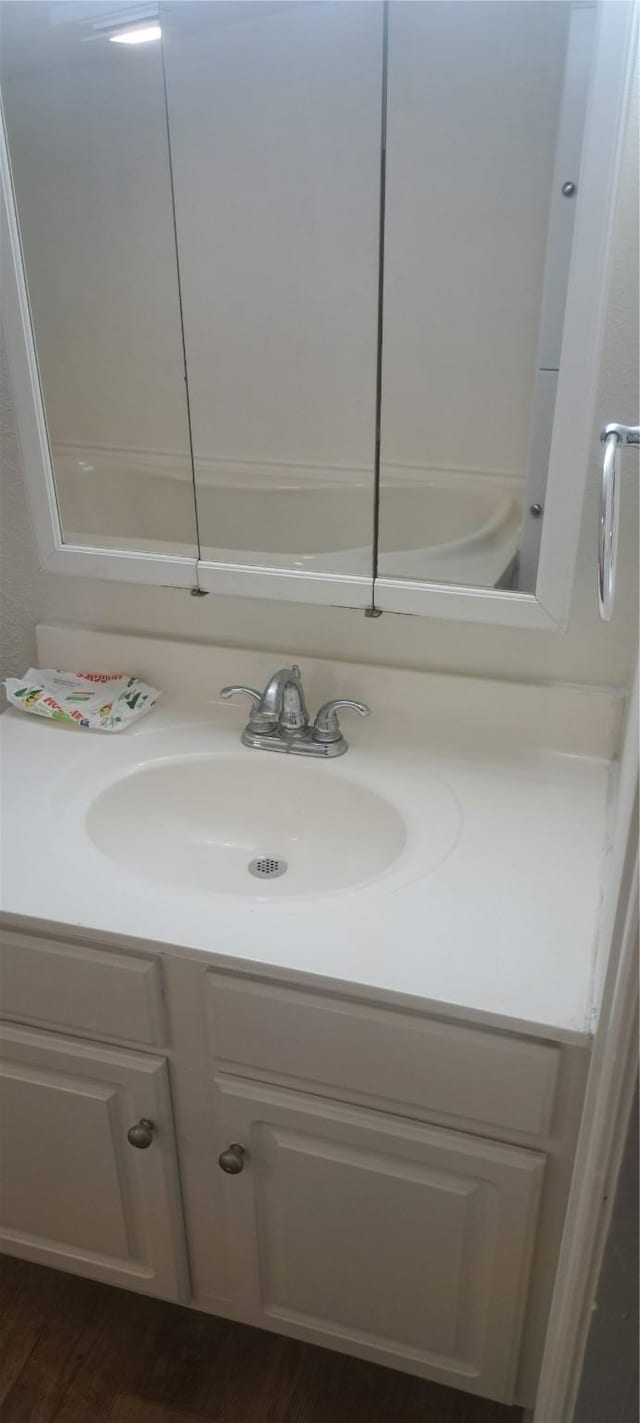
(267, 867)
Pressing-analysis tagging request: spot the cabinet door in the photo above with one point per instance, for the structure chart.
(379, 1236)
(87, 134)
(73, 1192)
(275, 138)
(474, 106)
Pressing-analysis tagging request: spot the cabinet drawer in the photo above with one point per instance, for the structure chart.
(88, 991)
(399, 1057)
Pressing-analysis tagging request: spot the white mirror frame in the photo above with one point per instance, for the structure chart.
(570, 451)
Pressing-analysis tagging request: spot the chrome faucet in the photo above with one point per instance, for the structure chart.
(279, 720)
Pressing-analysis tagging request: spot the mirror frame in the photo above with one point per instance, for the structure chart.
(548, 607)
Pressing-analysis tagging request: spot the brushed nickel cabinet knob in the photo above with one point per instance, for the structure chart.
(141, 1135)
(232, 1160)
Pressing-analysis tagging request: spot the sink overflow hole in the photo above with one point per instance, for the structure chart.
(267, 867)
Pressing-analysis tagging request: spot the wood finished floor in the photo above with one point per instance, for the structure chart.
(72, 1351)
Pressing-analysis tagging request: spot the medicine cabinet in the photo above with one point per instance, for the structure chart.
(305, 300)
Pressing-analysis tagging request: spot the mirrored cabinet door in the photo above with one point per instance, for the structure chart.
(87, 133)
(486, 102)
(275, 120)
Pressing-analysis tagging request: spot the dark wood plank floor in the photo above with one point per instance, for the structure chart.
(72, 1351)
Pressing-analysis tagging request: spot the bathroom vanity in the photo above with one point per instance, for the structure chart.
(340, 1107)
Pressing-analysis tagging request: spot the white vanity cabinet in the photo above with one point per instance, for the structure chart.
(356, 1172)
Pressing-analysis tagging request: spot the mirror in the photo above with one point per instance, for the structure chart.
(275, 115)
(485, 116)
(316, 291)
(87, 133)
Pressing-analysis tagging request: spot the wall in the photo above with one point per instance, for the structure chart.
(588, 652)
(609, 1383)
(18, 582)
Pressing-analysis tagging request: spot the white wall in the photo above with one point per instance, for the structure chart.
(588, 652)
(18, 582)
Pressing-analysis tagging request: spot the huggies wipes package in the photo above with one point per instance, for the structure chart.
(107, 702)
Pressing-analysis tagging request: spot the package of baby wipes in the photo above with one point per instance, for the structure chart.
(108, 702)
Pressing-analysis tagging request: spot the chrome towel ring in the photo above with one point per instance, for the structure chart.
(612, 437)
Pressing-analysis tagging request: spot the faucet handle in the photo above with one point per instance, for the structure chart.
(326, 727)
(228, 692)
(260, 722)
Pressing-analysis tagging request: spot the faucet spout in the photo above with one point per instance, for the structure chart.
(283, 700)
(294, 715)
(273, 697)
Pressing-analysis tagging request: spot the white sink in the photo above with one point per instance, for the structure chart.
(198, 822)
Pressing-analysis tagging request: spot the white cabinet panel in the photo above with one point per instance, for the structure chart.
(379, 1236)
(73, 1192)
(406, 1060)
(91, 992)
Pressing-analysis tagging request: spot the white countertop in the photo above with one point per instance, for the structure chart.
(503, 926)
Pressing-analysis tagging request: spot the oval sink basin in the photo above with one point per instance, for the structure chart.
(271, 827)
